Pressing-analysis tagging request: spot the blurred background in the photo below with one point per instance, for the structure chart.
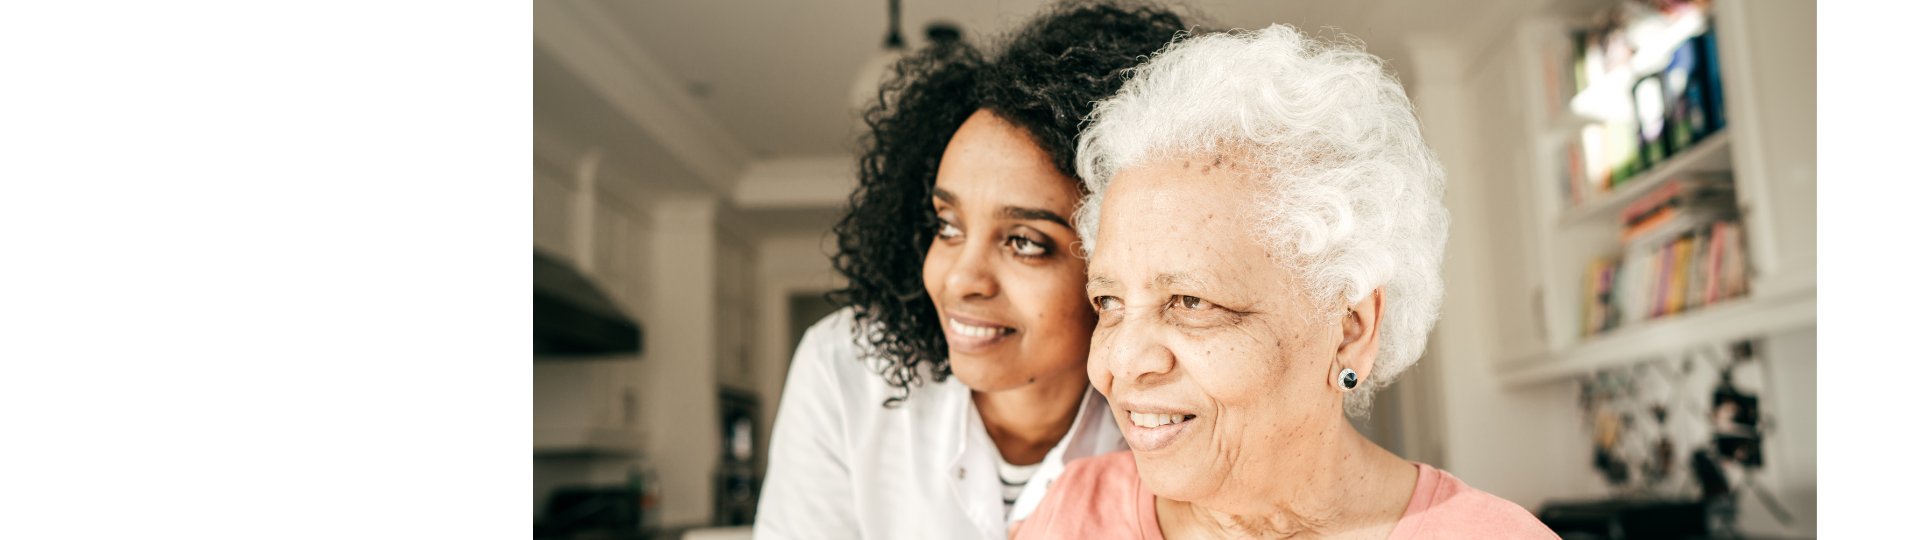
(1626, 347)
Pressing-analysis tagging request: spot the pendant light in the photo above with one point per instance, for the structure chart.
(866, 82)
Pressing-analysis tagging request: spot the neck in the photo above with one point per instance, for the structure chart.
(1346, 486)
(1026, 422)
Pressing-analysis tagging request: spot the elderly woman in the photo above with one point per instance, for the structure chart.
(1265, 231)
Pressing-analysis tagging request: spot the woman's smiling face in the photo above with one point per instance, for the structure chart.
(1213, 359)
(1003, 271)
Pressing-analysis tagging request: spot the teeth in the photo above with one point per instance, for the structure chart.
(975, 331)
(1156, 420)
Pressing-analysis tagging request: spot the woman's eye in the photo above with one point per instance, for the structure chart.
(1026, 247)
(1193, 303)
(1105, 303)
(947, 230)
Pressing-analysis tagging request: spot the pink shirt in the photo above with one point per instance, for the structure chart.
(1101, 497)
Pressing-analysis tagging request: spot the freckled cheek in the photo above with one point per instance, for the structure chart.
(1055, 304)
(1239, 380)
(1097, 371)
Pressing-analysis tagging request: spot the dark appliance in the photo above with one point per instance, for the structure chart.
(573, 318)
(736, 490)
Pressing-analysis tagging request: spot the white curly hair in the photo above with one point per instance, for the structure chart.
(1353, 193)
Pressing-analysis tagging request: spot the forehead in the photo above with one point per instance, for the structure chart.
(990, 161)
(1193, 214)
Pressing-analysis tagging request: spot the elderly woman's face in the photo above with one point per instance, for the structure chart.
(1213, 361)
(1002, 272)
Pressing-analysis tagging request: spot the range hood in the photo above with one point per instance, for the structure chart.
(574, 318)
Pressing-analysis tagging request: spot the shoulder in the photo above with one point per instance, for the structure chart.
(829, 350)
(835, 343)
(826, 379)
(830, 336)
(1455, 509)
(830, 364)
(1112, 469)
(1092, 495)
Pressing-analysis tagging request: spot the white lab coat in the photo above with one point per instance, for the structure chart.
(844, 466)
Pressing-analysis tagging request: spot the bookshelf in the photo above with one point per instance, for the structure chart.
(1761, 142)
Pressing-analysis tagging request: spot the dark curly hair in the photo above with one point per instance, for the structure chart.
(1045, 78)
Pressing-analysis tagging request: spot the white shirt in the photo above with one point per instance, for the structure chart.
(842, 465)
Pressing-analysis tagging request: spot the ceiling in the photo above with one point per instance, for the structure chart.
(773, 76)
(562, 103)
(776, 72)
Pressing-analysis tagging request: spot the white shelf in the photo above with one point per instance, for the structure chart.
(1712, 154)
(587, 441)
(1718, 323)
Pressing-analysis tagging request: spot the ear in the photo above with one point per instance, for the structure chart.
(1359, 337)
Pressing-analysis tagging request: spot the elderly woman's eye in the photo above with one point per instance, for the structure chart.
(1193, 302)
(1105, 303)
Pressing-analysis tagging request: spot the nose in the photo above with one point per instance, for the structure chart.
(1132, 352)
(971, 276)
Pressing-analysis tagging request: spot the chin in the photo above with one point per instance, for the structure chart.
(1167, 479)
(984, 374)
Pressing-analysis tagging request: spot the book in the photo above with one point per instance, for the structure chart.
(1676, 294)
(1702, 264)
(1650, 111)
(1709, 51)
(1634, 277)
(1716, 256)
(1662, 278)
(1735, 275)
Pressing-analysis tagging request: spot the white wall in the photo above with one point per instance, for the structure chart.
(681, 384)
(1788, 410)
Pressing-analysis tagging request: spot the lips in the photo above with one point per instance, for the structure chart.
(970, 335)
(1152, 427)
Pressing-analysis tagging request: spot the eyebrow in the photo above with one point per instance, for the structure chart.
(1011, 212)
(1177, 280)
(1100, 283)
(1033, 214)
(945, 196)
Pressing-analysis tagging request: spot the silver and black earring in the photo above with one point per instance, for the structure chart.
(1349, 379)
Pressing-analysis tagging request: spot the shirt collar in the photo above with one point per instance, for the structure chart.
(1074, 445)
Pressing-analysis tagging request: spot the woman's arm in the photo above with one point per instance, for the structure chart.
(809, 491)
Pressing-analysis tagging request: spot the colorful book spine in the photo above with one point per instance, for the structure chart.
(1676, 294)
(1736, 277)
(1697, 276)
(1710, 59)
(1716, 255)
(1660, 280)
